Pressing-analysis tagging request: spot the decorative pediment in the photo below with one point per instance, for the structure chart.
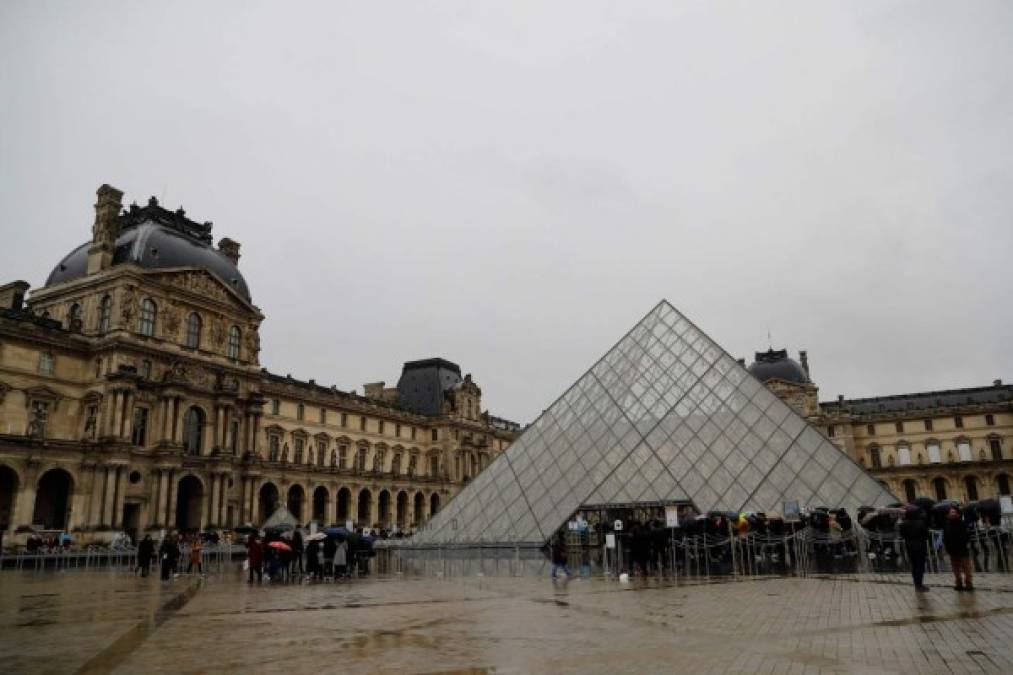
(42, 393)
(92, 398)
(299, 433)
(323, 437)
(274, 429)
(201, 283)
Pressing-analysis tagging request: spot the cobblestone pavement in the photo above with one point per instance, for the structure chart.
(88, 621)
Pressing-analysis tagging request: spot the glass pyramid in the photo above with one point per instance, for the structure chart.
(665, 415)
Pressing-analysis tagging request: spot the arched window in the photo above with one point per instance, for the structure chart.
(298, 450)
(910, 489)
(234, 337)
(146, 320)
(360, 462)
(74, 317)
(378, 461)
(194, 325)
(105, 314)
(971, 486)
(1002, 482)
(434, 466)
(234, 436)
(395, 464)
(995, 447)
(939, 484)
(903, 455)
(193, 431)
(964, 450)
(874, 458)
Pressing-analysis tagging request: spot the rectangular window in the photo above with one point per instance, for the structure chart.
(379, 427)
(990, 420)
(139, 435)
(831, 431)
(870, 429)
(899, 427)
(46, 363)
(275, 406)
(964, 451)
(436, 435)
(344, 419)
(274, 443)
(323, 415)
(91, 422)
(343, 457)
(300, 412)
(928, 425)
(413, 433)
(397, 430)
(362, 423)
(934, 456)
(958, 422)
(903, 455)
(996, 448)
(146, 369)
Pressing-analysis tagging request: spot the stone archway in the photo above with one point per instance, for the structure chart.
(268, 499)
(52, 499)
(383, 507)
(344, 505)
(8, 492)
(189, 498)
(420, 508)
(320, 498)
(434, 504)
(365, 510)
(402, 510)
(296, 498)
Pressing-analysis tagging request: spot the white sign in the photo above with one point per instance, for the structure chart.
(350, 526)
(671, 516)
(572, 525)
(618, 526)
(1006, 504)
(610, 541)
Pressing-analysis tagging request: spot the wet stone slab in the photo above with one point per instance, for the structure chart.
(96, 622)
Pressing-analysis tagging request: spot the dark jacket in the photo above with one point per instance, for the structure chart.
(956, 538)
(915, 533)
(145, 551)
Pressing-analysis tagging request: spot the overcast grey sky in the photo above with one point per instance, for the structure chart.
(512, 185)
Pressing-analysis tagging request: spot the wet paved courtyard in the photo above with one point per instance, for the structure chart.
(108, 621)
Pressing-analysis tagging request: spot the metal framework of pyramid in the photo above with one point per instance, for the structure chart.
(665, 415)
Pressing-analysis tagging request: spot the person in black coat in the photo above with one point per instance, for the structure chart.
(956, 541)
(330, 547)
(168, 553)
(915, 533)
(145, 552)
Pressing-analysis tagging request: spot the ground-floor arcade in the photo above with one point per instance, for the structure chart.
(96, 494)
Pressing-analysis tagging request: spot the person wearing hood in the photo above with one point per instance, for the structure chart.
(915, 534)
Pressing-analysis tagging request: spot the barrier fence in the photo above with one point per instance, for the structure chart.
(214, 557)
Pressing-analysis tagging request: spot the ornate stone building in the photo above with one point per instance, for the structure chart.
(952, 444)
(132, 398)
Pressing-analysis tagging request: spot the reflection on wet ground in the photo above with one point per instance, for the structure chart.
(97, 622)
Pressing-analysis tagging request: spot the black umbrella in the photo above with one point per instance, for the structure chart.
(990, 511)
(245, 529)
(924, 503)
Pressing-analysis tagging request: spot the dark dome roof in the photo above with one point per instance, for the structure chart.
(775, 365)
(156, 238)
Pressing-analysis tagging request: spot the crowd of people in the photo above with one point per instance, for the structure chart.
(287, 554)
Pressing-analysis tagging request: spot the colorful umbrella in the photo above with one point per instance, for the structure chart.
(280, 545)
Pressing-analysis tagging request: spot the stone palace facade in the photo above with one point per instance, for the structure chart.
(953, 444)
(132, 399)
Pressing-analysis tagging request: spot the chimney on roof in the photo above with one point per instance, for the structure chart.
(230, 249)
(106, 228)
(996, 383)
(840, 399)
(803, 358)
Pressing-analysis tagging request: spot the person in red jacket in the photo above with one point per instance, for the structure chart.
(255, 557)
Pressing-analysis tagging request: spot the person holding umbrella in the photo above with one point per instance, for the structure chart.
(956, 541)
(915, 534)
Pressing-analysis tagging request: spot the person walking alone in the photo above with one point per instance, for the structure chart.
(145, 552)
(559, 557)
(956, 541)
(168, 554)
(915, 534)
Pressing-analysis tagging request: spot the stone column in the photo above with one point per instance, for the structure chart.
(113, 398)
(94, 501)
(170, 514)
(128, 414)
(155, 499)
(121, 493)
(216, 486)
(256, 432)
(177, 420)
(254, 501)
(24, 510)
(109, 496)
(219, 427)
(163, 497)
(163, 419)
